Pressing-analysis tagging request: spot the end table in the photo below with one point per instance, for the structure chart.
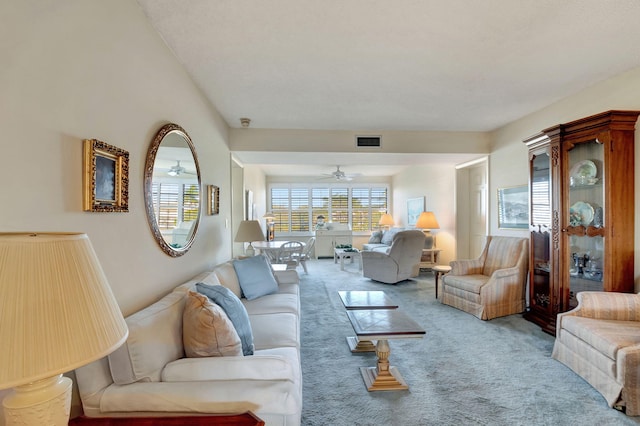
(438, 271)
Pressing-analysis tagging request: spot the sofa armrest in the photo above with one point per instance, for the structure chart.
(290, 276)
(256, 367)
(466, 267)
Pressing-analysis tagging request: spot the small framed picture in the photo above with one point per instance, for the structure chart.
(106, 177)
(213, 200)
(513, 207)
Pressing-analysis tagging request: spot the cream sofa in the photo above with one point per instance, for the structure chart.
(600, 341)
(150, 375)
(381, 240)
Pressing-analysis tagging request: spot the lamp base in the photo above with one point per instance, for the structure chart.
(250, 251)
(428, 240)
(46, 402)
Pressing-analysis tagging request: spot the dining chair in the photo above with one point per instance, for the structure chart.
(306, 253)
(290, 254)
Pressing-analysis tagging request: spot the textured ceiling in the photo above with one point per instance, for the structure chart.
(458, 65)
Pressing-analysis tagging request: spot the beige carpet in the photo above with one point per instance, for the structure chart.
(463, 372)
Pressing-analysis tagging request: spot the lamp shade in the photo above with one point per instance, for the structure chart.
(269, 216)
(57, 311)
(386, 220)
(427, 220)
(249, 230)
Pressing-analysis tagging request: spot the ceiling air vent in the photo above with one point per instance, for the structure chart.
(368, 142)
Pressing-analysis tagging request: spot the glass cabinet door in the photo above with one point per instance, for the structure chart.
(585, 219)
(541, 297)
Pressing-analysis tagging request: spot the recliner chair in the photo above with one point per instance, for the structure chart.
(400, 262)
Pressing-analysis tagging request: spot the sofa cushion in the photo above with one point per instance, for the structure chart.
(275, 330)
(255, 277)
(155, 339)
(470, 283)
(375, 247)
(227, 276)
(234, 309)
(206, 330)
(387, 236)
(260, 367)
(606, 336)
(376, 237)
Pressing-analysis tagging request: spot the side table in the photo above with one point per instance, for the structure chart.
(438, 271)
(429, 258)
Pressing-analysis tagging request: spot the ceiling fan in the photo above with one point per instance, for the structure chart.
(340, 175)
(177, 170)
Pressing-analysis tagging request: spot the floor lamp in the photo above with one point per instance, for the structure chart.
(57, 313)
(427, 221)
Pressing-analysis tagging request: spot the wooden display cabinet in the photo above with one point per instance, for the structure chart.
(581, 198)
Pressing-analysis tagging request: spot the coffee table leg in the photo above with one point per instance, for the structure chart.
(360, 345)
(383, 377)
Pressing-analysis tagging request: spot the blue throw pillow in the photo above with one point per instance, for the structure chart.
(255, 277)
(376, 237)
(235, 310)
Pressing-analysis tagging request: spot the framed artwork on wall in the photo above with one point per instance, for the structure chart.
(415, 206)
(213, 200)
(248, 205)
(513, 207)
(106, 177)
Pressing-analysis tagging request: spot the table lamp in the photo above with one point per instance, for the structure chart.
(57, 313)
(270, 220)
(386, 220)
(248, 231)
(427, 221)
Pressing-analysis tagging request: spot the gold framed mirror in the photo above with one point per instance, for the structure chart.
(172, 190)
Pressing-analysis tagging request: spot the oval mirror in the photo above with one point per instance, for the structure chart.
(172, 189)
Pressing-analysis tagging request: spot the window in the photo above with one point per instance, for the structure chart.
(297, 207)
(174, 203)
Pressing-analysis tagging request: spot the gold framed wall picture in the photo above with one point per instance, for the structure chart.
(106, 177)
(513, 207)
(213, 200)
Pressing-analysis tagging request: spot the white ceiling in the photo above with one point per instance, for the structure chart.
(454, 65)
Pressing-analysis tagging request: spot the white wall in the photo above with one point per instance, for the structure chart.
(435, 182)
(508, 161)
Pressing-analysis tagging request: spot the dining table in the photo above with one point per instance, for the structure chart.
(270, 248)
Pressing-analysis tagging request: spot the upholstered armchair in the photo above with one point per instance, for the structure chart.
(492, 285)
(600, 341)
(400, 262)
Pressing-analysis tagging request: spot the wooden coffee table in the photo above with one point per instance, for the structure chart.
(364, 300)
(382, 325)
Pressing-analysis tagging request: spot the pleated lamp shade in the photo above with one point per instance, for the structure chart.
(57, 311)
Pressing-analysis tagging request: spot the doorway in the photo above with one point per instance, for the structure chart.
(471, 208)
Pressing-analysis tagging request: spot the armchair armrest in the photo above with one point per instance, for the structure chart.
(466, 267)
(606, 305)
(256, 367)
